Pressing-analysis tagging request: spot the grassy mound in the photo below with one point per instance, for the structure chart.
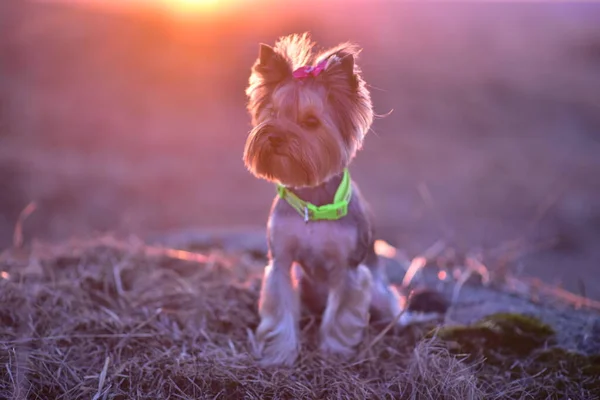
(108, 320)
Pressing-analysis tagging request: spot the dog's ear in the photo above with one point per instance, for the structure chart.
(347, 65)
(265, 54)
(341, 68)
(271, 65)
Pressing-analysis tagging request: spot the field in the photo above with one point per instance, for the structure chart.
(131, 123)
(107, 319)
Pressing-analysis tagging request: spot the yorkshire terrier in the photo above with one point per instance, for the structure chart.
(310, 113)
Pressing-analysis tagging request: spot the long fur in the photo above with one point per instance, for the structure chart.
(305, 132)
(338, 98)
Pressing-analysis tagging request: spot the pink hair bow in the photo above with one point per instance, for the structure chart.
(307, 70)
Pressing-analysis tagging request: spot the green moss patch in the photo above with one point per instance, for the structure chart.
(498, 336)
(521, 348)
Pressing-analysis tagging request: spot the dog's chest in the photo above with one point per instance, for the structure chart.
(318, 246)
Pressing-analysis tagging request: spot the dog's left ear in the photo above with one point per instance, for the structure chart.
(341, 65)
(347, 64)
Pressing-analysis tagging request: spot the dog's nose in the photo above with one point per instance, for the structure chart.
(276, 140)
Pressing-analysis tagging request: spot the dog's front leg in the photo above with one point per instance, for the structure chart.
(277, 333)
(346, 314)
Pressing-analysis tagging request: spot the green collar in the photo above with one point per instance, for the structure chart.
(331, 212)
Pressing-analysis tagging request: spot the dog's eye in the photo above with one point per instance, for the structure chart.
(311, 123)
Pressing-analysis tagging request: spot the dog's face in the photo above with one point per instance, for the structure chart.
(306, 129)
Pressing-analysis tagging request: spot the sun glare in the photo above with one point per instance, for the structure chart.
(181, 7)
(191, 6)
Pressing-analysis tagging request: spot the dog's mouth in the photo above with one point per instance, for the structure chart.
(281, 155)
(283, 167)
(280, 152)
(266, 142)
(275, 160)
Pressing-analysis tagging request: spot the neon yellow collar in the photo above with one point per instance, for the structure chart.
(331, 212)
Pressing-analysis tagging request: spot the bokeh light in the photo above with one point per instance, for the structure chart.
(134, 120)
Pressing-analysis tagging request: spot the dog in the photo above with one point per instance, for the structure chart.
(310, 114)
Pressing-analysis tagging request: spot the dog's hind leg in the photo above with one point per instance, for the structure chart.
(386, 302)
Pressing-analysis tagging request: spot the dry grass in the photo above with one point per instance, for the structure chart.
(435, 374)
(113, 320)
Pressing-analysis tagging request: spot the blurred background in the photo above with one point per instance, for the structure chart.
(129, 117)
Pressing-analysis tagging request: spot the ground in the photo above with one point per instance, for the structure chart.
(118, 319)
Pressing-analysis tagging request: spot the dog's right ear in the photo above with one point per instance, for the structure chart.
(271, 65)
(265, 54)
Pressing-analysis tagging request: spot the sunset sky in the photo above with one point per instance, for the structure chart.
(120, 119)
(178, 6)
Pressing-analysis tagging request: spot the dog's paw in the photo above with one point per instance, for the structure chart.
(278, 359)
(277, 345)
(344, 336)
(331, 348)
(272, 354)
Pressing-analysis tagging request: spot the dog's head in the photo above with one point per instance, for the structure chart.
(310, 112)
